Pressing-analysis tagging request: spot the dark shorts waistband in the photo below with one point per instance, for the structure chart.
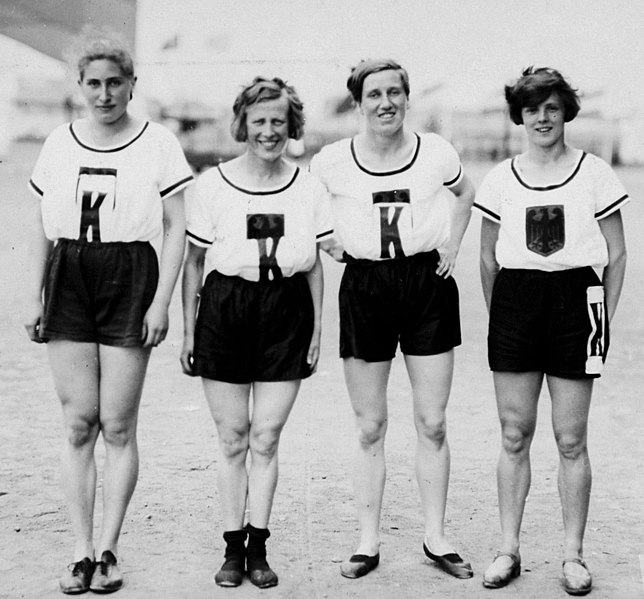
(422, 257)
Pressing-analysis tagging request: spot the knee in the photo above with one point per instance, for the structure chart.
(81, 432)
(371, 432)
(264, 442)
(571, 446)
(515, 439)
(433, 431)
(233, 444)
(118, 433)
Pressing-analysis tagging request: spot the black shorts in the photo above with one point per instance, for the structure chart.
(253, 331)
(99, 292)
(551, 322)
(384, 302)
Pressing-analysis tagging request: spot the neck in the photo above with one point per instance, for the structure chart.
(109, 130)
(547, 155)
(264, 170)
(385, 145)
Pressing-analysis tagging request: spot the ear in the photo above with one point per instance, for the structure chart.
(132, 90)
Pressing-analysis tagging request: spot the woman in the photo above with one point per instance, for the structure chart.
(392, 216)
(254, 222)
(552, 214)
(108, 183)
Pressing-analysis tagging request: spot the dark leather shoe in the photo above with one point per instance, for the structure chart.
(107, 577)
(503, 577)
(452, 563)
(77, 577)
(358, 565)
(577, 583)
(261, 574)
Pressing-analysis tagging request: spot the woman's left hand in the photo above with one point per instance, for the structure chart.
(447, 262)
(155, 326)
(314, 351)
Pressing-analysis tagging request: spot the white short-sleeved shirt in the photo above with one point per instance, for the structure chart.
(553, 227)
(258, 235)
(383, 215)
(113, 194)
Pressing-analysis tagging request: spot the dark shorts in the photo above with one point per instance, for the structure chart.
(253, 331)
(551, 322)
(99, 292)
(402, 300)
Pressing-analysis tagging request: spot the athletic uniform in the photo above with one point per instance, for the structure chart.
(255, 317)
(391, 225)
(547, 312)
(102, 207)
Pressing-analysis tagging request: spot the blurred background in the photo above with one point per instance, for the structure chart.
(193, 56)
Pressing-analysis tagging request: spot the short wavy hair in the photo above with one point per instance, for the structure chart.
(367, 67)
(536, 85)
(96, 43)
(262, 90)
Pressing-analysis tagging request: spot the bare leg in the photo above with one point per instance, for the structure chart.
(122, 374)
(367, 385)
(272, 403)
(517, 396)
(229, 408)
(570, 408)
(75, 371)
(431, 381)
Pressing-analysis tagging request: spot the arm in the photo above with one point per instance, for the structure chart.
(461, 214)
(39, 250)
(155, 321)
(613, 231)
(191, 285)
(315, 279)
(333, 247)
(488, 264)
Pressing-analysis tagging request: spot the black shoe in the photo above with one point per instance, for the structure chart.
(232, 571)
(107, 577)
(358, 565)
(259, 572)
(452, 563)
(77, 577)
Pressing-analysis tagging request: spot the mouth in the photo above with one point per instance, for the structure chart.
(269, 145)
(543, 129)
(387, 116)
(105, 108)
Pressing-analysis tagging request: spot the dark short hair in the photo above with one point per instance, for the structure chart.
(100, 44)
(534, 86)
(262, 90)
(369, 66)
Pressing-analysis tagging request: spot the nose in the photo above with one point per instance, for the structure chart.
(542, 113)
(104, 94)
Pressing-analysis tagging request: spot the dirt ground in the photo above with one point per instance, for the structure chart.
(171, 543)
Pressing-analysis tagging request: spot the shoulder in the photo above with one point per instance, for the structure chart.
(310, 181)
(160, 133)
(333, 153)
(596, 164)
(499, 172)
(433, 141)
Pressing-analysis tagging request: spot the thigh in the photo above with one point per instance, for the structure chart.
(122, 373)
(570, 405)
(431, 381)
(228, 405)
(75, 370)
(367, 386)
(517, 398)
(272, 404)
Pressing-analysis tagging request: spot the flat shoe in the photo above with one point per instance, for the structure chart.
(576, 584)
(107, 577)
(452, 563)
(358, 565)
(230, 574)
(502, 579)
(77, 577)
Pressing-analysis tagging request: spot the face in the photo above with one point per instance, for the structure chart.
(544, 123)
(267, 128)
(106, 90)
(384, 102)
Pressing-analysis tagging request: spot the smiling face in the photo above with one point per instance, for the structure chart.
(384, 101)
(267, 128)
(544, 123)
(106, 90)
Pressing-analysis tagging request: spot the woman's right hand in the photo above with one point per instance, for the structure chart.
(32, 317)
(186, 356)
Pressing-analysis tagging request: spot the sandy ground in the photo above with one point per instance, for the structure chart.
(171, 543)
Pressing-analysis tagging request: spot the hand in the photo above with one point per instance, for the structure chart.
(313, 354)
(446, 262)
(333, 247)
(186, 357)
(32, 320)
(155, 326)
